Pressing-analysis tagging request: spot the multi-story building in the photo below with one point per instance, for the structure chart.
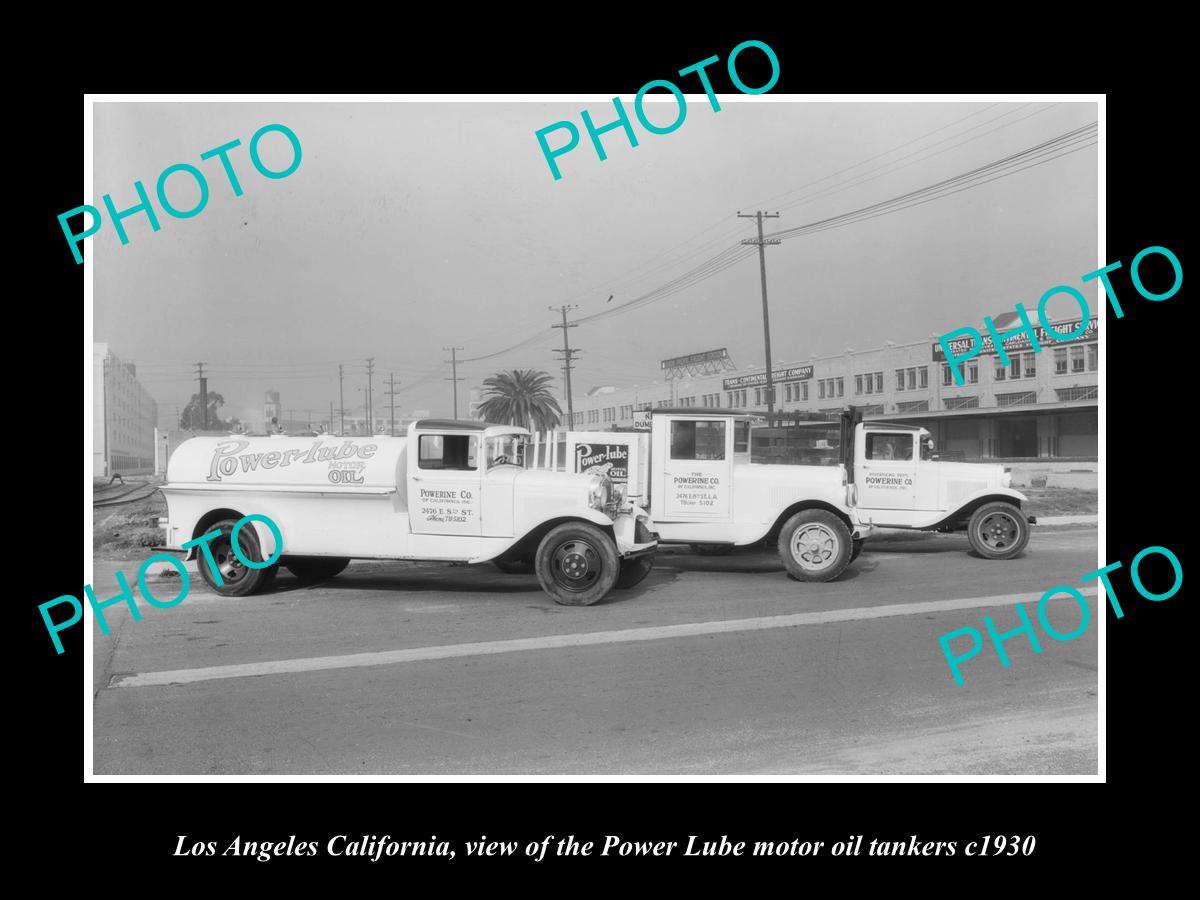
(1039, 405)
(123, 418)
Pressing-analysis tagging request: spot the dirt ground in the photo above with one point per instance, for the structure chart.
(126, 530)
(1058, 501)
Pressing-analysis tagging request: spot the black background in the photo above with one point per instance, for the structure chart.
(1148, 403)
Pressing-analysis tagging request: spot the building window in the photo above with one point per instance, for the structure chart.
(924, 375)
(899, 379)
(947, 376)
(971, 402)
(1060, 361)
(1078, 393)
(879, 382)
(1014, 366)
(912, 379)
(804, 386)
(1093, 357)
(973, 372)
(1077, 359)
(1029, 364)
(821, 389)
(858, 385)
(913, 406)
(1017, 399)
(841, 382)
(1001, 371)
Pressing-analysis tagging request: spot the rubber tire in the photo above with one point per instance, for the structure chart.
(610, 563)
(856, 549)
(254, 580)
(712, 549)
(523, 566)
(315, 568)
(840, 560)
(983, 512)
(634, 571)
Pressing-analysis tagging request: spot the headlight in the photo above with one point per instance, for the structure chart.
(599, 493)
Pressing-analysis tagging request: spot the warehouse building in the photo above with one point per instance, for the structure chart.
(1040, 405)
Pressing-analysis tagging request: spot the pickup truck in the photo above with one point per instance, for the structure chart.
(693, 473)
(453, 491)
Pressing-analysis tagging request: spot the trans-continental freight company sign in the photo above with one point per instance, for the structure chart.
(798, 373)
(1020, 342)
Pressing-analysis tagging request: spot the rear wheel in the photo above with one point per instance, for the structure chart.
(315, 568)
(815, 545)
(577, 564)
(998, 530)
(522, 566)
(237, 579)
(634, 571)
(712, 549)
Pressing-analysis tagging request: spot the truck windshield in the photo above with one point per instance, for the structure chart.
(506, 450)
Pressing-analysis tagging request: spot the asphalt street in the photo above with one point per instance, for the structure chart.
(712, 666)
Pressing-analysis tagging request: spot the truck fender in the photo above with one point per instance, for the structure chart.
(534, 535)
(972, 502)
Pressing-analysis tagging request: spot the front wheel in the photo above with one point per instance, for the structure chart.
(237, 579)
(634, 571)
(577, 564)
(815, 545)
(998, 531)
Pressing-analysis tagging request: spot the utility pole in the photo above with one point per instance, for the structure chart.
(203, 396)
(341, 404)
(762, 265)
(370, 396)
(568, 353)
(392, 400)
(454, 379)
(331, 416)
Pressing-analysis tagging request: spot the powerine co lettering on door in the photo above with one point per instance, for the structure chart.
(698, 475)
(603, 459)
(447, 510)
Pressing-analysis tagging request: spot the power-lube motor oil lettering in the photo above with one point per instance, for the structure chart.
(603, 459)
(447, 506)
(229, 459)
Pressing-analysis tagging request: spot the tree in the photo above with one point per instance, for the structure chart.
(191, 420)
(520, 397)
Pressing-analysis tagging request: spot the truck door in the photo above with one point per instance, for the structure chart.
(698, 469)
(886, 470)
(444, 495)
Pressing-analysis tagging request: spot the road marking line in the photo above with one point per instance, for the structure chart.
(559, 641)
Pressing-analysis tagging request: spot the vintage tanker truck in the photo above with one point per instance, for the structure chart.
(693, 472)
(454, 491)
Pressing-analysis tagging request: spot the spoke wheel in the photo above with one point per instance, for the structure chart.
(815, 545)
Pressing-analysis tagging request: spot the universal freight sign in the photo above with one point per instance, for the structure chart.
(799, 373)
(1019, 342)
(696, 359)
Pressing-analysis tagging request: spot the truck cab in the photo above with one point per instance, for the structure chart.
(454, 491)
(897, 481)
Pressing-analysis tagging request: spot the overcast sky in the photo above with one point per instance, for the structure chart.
(410, 227)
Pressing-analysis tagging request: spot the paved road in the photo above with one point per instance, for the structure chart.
(712, 666)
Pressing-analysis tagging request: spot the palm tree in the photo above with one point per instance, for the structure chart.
(520, 397)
